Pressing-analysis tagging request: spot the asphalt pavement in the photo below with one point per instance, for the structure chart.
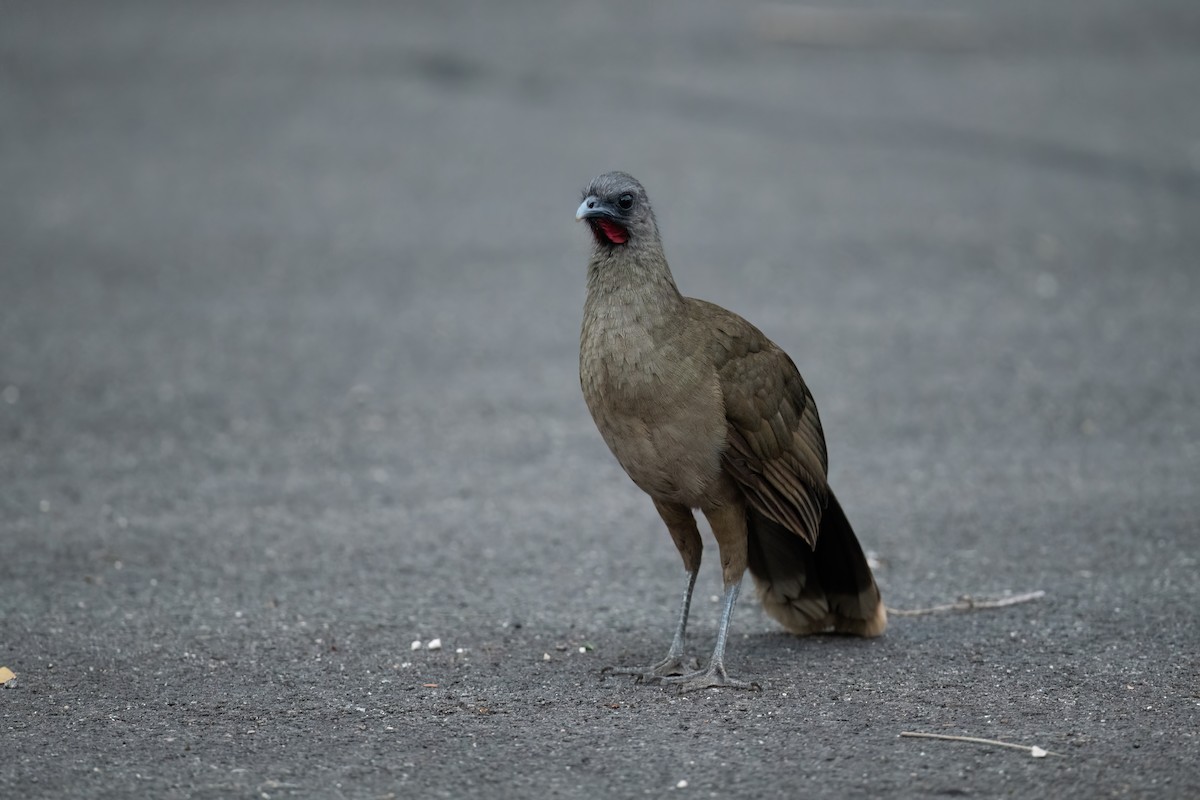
(289, 307)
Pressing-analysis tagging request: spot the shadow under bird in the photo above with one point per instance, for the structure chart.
(705, 412)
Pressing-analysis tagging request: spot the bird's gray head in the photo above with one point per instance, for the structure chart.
(617, 210)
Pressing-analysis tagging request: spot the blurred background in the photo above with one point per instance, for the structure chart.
(276, 249)
(290, 297)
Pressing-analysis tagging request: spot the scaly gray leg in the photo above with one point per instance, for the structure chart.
(673, 664)
(714, 675)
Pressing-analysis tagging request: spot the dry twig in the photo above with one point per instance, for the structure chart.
(968, 603)
(1033, 750)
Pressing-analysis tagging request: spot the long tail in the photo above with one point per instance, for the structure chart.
(829, 589)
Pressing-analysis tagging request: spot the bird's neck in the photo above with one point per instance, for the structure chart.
(635, 278)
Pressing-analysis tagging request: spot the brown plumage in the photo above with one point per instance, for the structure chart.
(705, 412)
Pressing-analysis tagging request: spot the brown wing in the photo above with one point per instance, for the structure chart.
(776, 450)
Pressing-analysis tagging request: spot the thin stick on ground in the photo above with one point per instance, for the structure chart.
(1033, 750)
(968, 603)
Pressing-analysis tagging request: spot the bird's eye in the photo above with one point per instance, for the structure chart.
(625, 201)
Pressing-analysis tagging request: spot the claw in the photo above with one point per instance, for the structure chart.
(714, 677)
(667, 668)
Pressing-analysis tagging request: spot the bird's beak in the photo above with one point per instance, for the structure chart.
(593, 206)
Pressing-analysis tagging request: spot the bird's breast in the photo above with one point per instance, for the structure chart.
(657, 405)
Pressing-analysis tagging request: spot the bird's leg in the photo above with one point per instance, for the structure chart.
(673, 664)
(682, 526)
(728, 522)
(675, 654)
(714, 675)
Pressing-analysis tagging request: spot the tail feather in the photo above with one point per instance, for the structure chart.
(826, 589)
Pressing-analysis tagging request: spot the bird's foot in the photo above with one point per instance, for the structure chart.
(714, 677)
(671, 666)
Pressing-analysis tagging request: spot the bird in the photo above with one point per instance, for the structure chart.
(705, 413)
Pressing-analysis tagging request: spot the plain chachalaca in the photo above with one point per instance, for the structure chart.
(705, 412)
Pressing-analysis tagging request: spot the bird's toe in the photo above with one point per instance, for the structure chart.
(714, 677)
(669, 667)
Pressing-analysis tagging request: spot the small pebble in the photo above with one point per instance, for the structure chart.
(416, 645)
(434, 644)
(681, 785)
(545, 656)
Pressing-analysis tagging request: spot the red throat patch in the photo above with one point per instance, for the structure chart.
(612, 231)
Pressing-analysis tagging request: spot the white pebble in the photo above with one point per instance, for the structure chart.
(416, 645)
(583, 649)
(681, 785)
(1037, 752)
(545, 656)
(434, 644)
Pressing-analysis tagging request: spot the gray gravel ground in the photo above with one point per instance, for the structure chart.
(289, 305)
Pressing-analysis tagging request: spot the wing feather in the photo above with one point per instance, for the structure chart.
(776, 447)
